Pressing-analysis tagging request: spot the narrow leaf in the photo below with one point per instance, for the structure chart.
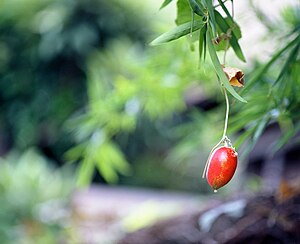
(212, 21)
(244, 137)
(107, 172)
(224, 26)
(165, 3)
(177, 32)
(202, 42)
(264, 68)
(287, 136)
(218, 68)
(85, 172)
(292, 57)
(197, 9)
(183, 12)
(225, 10)
(260, 128)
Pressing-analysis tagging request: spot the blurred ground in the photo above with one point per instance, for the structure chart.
(104, 214)
(263, 218)
(131, 216)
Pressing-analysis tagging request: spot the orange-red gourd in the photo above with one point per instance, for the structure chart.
(221, 167)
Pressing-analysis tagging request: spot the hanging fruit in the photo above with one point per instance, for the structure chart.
(221, 166)
(222, 161)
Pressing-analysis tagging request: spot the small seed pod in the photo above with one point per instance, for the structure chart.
(221, 167)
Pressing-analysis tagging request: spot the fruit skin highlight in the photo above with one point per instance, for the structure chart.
(221, 167)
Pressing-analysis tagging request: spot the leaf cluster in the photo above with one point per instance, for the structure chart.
(44, 47)
(124, 87)
(273, 92)
(33, 196)
(202, 15)
(272, 88)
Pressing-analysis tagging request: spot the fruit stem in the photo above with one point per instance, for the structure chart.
(227, 114)
(224, 139)
(209, 156)
(225, 93)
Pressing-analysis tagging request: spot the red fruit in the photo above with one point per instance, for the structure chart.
(221, 167)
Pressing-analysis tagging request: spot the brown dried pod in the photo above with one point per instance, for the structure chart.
(235, 76)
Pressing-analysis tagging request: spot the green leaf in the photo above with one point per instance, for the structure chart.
(165, 3)
(183, 12)
(107, 172)
(85, 172)
(244, 137)
(225, 10)
(218, 68)
(263, 69)
(75, 152)
(260, 128)
(110, 161)
(258, 132)
(177, 32)
(239, 122)
(223, 45)
(224, 26)
(196, 7)
(286, 137)
(202, 42)
(287, 66)
(212, 21)
(235, 28)
(117, 158)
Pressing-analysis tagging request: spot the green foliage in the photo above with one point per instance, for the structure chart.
(210, 14)
(178, 32)
(218, 68)
(227, 25)
(127, 85)
(271, 88)
(273, 94)
(183, 12)
(44, 46)
(211, 19)
(57, 59)
(33, 199)
(165, 3)
(123, 87)
(197, 8)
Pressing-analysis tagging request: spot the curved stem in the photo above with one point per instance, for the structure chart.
(227, 114)
(193, 19)
(225, 93)
(225, 52)
(224, 137)
(232, 9)
(209, 156)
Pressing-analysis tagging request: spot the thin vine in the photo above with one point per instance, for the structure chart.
(224, 140)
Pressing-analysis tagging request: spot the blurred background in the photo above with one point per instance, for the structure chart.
(103, 136)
